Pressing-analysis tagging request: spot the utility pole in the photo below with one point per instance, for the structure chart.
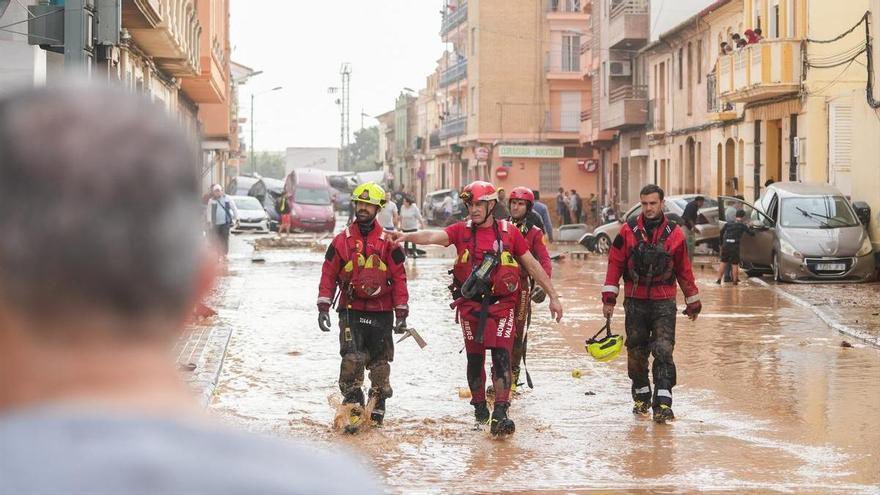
(344, 111)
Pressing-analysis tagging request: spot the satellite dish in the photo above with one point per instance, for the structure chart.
(3, 5)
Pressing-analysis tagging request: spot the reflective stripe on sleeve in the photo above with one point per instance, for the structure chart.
(324, 300)
(643, 390)
(611, 288)
(664, 393)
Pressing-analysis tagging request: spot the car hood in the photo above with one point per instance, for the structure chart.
(844, 241)
(252, 214)
(316, 211)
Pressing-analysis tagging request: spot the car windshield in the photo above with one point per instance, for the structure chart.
(248, 204)
(311, 196)
(817, 212)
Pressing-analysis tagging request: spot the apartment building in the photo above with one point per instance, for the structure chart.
(619, 112)
(685, 118)
(507, 99)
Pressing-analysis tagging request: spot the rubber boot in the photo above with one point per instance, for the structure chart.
(515, 381)
(378, 414)
(481, 413)
(355, 416)
(641, 408)
(501, 424)
(663, 414)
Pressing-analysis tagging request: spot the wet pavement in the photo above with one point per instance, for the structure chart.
(767, 399)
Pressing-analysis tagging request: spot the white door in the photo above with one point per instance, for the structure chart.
(570, 113)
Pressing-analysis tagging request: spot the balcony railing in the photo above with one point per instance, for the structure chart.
(564, 121)
(621, 7)
(565, 6)
(454, 18)
(453, 127)
(454, 73)
(759, 71)
(562, 63)
(638, 92)
(434, 140)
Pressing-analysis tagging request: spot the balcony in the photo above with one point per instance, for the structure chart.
(210, 85)
(715, 110)
(169, 34)
(628, 107)
(453, 19)
(629, 24)
(760, 71)
(586, 57)
(563, 121)
(454, 73)
(453, 127)
(566, 10)
(563, 64)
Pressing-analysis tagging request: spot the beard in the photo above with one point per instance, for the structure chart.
(364, 217)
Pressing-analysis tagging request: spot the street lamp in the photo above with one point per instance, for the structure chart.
(253, 95)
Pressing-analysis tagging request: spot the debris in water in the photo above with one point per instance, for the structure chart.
(576, 373)
(845, 344)
(589, 393)
(464, 393)
(187, 366)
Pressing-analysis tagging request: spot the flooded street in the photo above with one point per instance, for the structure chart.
(767, 399)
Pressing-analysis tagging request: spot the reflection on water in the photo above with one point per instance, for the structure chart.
(766, 397)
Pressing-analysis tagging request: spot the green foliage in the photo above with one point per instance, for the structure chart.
(269, 164)
(363, 153)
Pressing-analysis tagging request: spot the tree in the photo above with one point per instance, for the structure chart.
(270, 164)
(363, 153)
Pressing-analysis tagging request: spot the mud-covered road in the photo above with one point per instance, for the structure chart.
(767, 399)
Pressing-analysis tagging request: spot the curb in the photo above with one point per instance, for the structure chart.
(828, 319)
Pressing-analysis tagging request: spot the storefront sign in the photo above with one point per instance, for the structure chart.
(512, 151)
(589, 166)
(501, 173)
(481, 153)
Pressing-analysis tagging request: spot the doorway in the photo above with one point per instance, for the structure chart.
(690, 172)
(774, 151)
(730, 167)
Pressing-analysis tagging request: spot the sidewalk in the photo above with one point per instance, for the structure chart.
(851, 309)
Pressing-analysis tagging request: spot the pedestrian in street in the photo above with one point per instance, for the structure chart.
(398, 195)
(486, 280)
(542, 210)
(521, 215)
(690, 216)
(282, 206)
(366, 266)
(388, 216)
(501, 212)
(222, 217)
(446, 210)
(410, 221)
(731, 235)
(594, 209)
(577, 206)
(94, 297)
(730, 211)
(562, 207)
(651, 256)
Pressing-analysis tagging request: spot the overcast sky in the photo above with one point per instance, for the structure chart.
(300, 44)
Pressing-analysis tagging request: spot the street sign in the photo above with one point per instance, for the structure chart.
(501, 173)
(511, 151)
(481, 153)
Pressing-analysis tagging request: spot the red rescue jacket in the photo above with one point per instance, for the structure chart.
(620, 264)
(535, 239)
(472, 244)
(369, 271)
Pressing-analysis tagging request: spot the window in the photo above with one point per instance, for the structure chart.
(773, 21)
(570, 111)
(604, 80)
(792, 19)
(549, 177)
(699, 61)
(571, 52)
(681, 68)
(756, 15)
(473, 41)
(473, 100)
(690, 78)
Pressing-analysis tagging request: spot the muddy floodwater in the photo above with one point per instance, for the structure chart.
(767, 399)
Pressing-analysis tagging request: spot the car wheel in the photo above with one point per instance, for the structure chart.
(603, 244)
(777, 273)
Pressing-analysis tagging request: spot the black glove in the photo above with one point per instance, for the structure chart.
(538, 294)
(324, 321)
(400, 327)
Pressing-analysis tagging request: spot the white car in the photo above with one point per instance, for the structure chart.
(251, 215)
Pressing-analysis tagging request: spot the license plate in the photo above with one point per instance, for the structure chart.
(831, 267)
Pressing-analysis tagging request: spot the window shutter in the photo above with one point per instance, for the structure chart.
(840, 144)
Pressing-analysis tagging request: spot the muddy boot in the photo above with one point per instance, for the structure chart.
(501, 424)
(481, 413)
(640, 408)
(378, 414)
(663, 414)
(356, 414)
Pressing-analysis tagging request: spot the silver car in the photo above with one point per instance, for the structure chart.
(806, 232)
(706, 232)
(251, 215)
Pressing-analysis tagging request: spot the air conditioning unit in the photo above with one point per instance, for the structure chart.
(620, 68)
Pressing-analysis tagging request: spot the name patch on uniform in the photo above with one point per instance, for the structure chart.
(365, 321)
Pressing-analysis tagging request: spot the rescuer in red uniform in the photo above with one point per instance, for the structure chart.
(367, 266)
(487, 277)
(650, 253)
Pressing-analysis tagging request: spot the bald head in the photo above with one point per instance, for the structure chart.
(98, 191)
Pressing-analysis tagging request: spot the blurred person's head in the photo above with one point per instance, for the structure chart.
(115, 262)
(216, 191)
(699, 200)
(407, 201)
(740, 215)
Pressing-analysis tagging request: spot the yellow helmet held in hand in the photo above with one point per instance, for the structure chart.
(370, 193)
(606, 348)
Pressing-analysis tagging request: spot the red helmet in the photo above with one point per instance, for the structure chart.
(479, 191)
(522, 193)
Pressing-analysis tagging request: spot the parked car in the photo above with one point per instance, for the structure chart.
(343, 183)
(432, 208)
(707, 229)
(274, 190)
(251, 215)
(311, 201)
(806, 232)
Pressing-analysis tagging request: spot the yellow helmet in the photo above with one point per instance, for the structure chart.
(370, 193)
(606, 348)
